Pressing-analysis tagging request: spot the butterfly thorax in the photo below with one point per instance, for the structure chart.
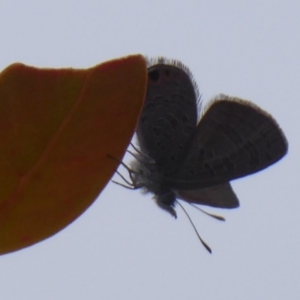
(147, 176)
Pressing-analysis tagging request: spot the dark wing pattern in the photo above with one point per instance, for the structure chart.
(169, 116)
(234, 138)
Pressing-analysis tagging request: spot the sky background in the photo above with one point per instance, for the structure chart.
(124, 246)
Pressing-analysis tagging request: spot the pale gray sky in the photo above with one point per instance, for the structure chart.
(123, 246)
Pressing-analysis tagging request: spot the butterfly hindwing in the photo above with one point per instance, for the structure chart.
(220, 195)
(234, 138)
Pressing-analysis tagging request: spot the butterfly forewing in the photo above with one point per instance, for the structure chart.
(234, 138)
(169, 116)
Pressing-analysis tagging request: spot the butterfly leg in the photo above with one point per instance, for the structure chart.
(131, 185)
(141, 154)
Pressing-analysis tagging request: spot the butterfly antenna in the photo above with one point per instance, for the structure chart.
(220, 218)
(202, 242)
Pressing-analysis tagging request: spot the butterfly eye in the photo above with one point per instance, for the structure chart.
(154, 75)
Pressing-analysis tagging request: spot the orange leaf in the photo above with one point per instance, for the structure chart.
(57, 127)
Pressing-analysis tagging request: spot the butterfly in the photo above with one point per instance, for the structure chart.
(184, 153)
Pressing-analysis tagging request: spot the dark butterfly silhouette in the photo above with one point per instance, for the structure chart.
(181, 157)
